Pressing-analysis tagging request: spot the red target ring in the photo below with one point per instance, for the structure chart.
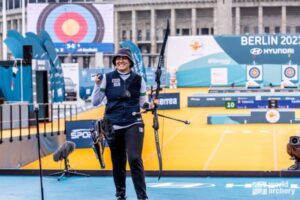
(70, 26)
(87, 20)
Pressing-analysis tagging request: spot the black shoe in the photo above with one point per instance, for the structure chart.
(121, 198)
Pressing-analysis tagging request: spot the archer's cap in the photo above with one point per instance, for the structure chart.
(123, 52)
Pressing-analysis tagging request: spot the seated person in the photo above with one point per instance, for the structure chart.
(287, 84)
(252, 84)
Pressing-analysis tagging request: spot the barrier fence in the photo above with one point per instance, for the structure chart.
(17, 120)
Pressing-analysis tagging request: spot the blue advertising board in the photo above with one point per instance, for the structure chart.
(169, 101)
(271, 49)
(72, 47)
(79, 132)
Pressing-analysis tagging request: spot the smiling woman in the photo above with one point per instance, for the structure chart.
(125, 92)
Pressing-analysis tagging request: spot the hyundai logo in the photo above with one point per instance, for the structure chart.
(256, 51)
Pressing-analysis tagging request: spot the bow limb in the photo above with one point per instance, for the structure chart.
(158, 73)
(158, 151)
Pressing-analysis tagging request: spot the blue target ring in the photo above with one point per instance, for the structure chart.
(289, 72)
(254, 72)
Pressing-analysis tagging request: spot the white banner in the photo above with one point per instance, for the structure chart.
(185, 49)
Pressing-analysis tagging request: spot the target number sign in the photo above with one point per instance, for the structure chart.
(230, 104)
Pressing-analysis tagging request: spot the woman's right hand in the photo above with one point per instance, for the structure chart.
(98, 79)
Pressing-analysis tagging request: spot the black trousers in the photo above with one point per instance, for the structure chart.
(129, 143)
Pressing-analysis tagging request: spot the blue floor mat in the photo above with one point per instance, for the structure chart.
(168, 188)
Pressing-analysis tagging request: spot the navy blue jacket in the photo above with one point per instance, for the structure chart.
(122, 98)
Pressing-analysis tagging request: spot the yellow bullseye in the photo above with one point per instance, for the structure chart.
(70, 27)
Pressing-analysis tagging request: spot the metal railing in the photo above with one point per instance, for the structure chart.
(17, 120)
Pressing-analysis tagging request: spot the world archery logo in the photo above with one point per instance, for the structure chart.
(72, 23)
(196, 45)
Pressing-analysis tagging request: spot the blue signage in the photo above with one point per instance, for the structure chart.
(79, 132)
(71, 47)
(169, 101)
(271, 49)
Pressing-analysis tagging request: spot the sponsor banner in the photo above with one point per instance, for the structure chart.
(263, 49)
(254, 72)
(199, 54)
(79, 132)
(169, 101)
(228, 50)
(289, 72)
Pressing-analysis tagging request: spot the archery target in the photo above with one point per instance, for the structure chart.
(254, 72)
(289, 72)
(78, 23)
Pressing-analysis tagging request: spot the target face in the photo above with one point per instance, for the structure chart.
(289, 72)
(254, 72)
(77, 23)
